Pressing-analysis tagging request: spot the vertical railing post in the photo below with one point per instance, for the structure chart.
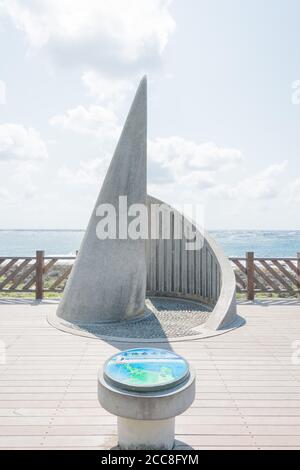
(298, 273)
(39, 280)
(250, 274)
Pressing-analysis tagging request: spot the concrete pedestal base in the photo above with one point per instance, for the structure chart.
(146, 420)
(138, 435)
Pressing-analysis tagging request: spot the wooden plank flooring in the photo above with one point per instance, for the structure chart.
(248, 390)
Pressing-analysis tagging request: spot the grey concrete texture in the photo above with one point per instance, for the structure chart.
(224, 315)
(108, 280)
(136, 434)
(222, 294)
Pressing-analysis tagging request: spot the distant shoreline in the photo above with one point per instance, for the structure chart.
(41, 230)
(60, 242)
(209, 230)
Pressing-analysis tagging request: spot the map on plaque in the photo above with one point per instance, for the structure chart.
(146, 369)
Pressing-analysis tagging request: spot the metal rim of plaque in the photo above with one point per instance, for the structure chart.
(146, 370)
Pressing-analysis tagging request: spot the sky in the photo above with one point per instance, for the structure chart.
(223, 106)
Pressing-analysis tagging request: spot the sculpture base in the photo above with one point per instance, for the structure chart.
(165, 319)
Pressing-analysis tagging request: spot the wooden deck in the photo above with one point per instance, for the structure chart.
(248, 390)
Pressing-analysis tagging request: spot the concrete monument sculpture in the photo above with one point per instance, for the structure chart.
(110, 277)
(108, 281)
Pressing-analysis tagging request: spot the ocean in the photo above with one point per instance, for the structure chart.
(264, 243)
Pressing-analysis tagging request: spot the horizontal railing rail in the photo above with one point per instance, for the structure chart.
(42, 274)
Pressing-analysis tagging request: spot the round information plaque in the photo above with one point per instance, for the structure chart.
(146, 369)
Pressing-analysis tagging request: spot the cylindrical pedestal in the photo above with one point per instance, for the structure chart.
(137, 434)
(146, 411)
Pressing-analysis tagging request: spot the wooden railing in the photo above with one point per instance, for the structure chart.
(267, 275)
(48, 274)
(38, 275)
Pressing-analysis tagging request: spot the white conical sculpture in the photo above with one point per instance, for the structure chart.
(108, 280)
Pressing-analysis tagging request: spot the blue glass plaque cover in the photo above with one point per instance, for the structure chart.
(146, 369)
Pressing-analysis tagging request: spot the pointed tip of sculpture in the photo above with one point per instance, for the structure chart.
(143, 82)
(139, 98)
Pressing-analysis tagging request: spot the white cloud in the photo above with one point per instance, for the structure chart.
(176, 163)
(187, 162)
(263, 185)
(294, 195)
(107, 34)
(2, 92)
(193, 170)
(19, 176)
(171, 160)
(23, 176)
(106, 89)
(88, 172)
(20, 143)
(5, 196)
(97, 121)
(86, 120)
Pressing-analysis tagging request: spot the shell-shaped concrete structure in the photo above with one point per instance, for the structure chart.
(110, 277)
